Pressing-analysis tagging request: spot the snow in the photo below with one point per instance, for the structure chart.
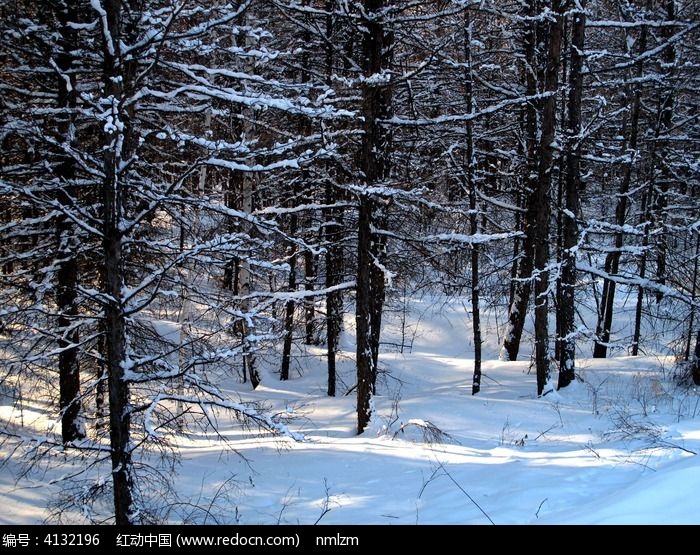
(615, 448)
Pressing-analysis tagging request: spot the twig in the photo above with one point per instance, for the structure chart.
(537, 514)
(456, 483)
(552, 427)
(326, 507)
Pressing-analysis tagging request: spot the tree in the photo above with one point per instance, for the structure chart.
(374, 164)
(570, 236)
(149, 193)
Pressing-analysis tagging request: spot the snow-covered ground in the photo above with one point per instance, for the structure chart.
(617, 447)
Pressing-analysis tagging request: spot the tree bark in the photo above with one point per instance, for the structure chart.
(115, 137)
(665, 121)
(522, 284)
(290, 305)
(365, 370)
(249, 367)
(612, 260)
(645, 218)
(67, 273)
(333, 235)
(693, 297)
(541, 233)
(473, 216)
(378, 295)
(696, 361)
(309, 301)
(374, 164)
(570, 234)
(334, 272)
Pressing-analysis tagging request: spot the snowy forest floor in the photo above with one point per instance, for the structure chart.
(616, 447)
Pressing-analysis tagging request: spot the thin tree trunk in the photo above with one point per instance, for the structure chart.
(309, 301)
(646, 217)
(378, 295)
(473, 216)
(68, 363)
(334, 301)
(67, 273)
(570, 235)
(101, 377)
(231, 270)
(365, 370)
(522, 285)
(612, 260)
(249, 369)
(695, 368)
(664, 125)
(561, 202)
(290, 305)
(693, 297)
(115, 322)
(549, 116)
(333, 232)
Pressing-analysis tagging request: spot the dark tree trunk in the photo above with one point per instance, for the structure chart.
(243, 288)
(333, 231)
(68, 363)
(290, 305)
(693, 297)
(365, 370)
(67, 273)
(612, 260)
(541, 197)
(696, 361)
(521, 287)
(570, 235)
(645, 217)
(378, 295)
(561, 202)
(114, 317)
(374, 164)
(102, 378)
(665, 121)
(309, 301)
(473, 216)
(334, 300)
(231, 277)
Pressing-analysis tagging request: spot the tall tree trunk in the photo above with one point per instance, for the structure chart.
(570, 235)
(290, 305)
(541, 197)
(473, 216)
(309, 301)
(68, 363)
(67, 13)
(695, 367)
(113, 189)
(665, 121)
(101, 377)
(365, 370)
(645, 218)
(333, 232)
(231, 269)
(693, 297)
(249, 367)
(334, 271)
(561, 201)
(374, 164)
(378, 295)
(522, 284)
(612, 260)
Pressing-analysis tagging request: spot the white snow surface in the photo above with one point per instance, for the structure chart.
(616, 447)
